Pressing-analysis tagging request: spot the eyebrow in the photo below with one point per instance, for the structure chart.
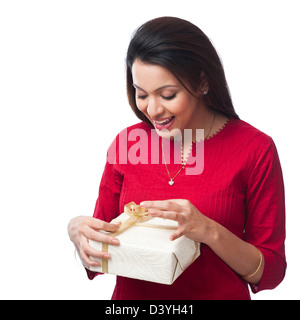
(163, 87)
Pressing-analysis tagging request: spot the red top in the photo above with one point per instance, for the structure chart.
(241, 187)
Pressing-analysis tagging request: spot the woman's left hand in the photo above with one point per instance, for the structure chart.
(191, 222)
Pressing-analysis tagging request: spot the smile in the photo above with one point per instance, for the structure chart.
(164, 124)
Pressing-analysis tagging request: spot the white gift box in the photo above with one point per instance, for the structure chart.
(146, 252)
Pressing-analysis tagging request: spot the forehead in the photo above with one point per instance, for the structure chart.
(149, 77)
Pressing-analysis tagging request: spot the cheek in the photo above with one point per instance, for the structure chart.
(142, 106)
(180, 107)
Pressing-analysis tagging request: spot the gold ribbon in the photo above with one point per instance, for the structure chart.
(138, 215)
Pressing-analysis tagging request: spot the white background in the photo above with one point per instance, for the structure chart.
(63, 100)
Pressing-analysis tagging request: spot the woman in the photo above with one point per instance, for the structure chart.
(234, 206)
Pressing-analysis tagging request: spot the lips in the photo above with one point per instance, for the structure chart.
(164, 123)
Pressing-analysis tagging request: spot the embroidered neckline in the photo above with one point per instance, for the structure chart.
(185, 159)
(219, 130)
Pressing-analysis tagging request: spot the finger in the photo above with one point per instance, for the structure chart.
(112, 226)
(166, 205)
(86, 260)
(90, 251)
(177, 234)
(171, 215)
(102, 225)
(101, 237)
(87, 253)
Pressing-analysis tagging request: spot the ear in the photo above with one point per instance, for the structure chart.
(204, 86)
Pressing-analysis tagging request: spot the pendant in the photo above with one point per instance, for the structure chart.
(171, 182)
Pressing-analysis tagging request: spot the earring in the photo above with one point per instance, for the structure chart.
(205, 92)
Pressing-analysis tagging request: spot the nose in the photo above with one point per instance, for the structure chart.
(155, 109)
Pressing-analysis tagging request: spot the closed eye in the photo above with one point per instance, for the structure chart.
(170, 97)
(142, 97)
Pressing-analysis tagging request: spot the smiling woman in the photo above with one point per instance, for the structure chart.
(234, 206)
(164, 100)
(184, 50)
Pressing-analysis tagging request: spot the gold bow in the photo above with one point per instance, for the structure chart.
(132, 209)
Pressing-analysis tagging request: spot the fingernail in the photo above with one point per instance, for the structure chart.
(142, 204)
(152, 212)
(118, 223)
(115, 241)
(107, 256)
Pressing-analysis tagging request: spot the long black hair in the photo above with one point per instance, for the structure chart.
(184, 50)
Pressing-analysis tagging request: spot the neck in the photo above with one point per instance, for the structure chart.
(204, 120)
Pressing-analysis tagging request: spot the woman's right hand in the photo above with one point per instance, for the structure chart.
(83, 228)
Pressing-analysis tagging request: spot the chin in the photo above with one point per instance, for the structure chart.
(169, 133)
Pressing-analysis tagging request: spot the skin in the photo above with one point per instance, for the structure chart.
(159, 95)
(83, 228)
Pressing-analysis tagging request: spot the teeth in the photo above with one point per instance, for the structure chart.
(163, 122)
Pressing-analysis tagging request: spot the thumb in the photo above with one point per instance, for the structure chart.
(177, 234)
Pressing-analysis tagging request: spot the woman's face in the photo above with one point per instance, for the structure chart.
(163, 99)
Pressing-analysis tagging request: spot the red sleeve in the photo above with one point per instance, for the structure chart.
(265, 224)
(107, 204)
